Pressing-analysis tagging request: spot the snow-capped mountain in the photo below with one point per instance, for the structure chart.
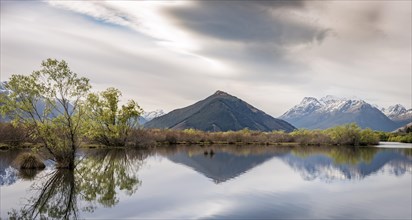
(153, 114)
(3, 89)
(331, 111)
(399, 114)
(305, 107)
(394, 110)
(147, 116)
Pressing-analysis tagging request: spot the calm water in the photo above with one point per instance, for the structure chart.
(234, 182)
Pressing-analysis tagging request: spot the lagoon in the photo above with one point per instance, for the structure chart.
(216, 182)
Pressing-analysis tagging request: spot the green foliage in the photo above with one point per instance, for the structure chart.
(107, 123)
(48, 103)
(348, 134)
(404, 138)
(368, 136)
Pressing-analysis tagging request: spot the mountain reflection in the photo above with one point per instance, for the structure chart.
(225, 164)
(8, 175)
(97, 180)
(323, 163)
(341, 163)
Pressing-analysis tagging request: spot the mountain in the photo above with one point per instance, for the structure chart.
(3, 89)
(398, 114)
(330, 111)
(219, 112)
(153, 114)
(405, 129)
(147, 116)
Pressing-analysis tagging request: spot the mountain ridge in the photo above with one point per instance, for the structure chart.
(219, 112)
(330, 111)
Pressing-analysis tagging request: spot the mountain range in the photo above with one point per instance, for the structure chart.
(219, 112)
(331, 111)
(223, 112)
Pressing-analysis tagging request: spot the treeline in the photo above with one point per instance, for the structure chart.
(349, 134)
(404, 137)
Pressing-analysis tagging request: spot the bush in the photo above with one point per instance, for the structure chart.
(28, 161)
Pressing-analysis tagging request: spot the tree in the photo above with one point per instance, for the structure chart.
(107, 123)
(49, 104)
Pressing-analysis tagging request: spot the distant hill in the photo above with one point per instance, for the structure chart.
(219, 112)
(330, 111)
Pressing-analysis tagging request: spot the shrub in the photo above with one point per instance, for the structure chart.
(29, 161)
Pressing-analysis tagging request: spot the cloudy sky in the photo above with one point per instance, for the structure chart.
(170, 54)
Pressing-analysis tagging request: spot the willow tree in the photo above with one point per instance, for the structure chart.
(108, 122)
(49, 103)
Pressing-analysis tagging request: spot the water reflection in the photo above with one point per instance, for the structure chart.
(56, 197)
(347, 163)
(227, 162)
(323, 163)
(8, 175)
(98, 178)
(247, 181)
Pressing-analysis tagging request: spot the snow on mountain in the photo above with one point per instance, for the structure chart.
(305, 107)
(331, 111)
(398, 114)
(394, 110)
(329, 99)
(153, 114)
(3, 88)
(327, 104)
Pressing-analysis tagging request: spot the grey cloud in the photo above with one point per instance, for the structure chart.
(282, 4)
(248, 21)
(254, 36)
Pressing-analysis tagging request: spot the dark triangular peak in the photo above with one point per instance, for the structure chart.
(219, 112)
(221, 93)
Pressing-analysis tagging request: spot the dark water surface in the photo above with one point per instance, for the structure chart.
(232, 182)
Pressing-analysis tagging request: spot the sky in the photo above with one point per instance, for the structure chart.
(170, 54)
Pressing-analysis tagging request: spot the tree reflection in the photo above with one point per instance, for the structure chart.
(104, 171)
(54, 198)
(340, 155)
(96, 180)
